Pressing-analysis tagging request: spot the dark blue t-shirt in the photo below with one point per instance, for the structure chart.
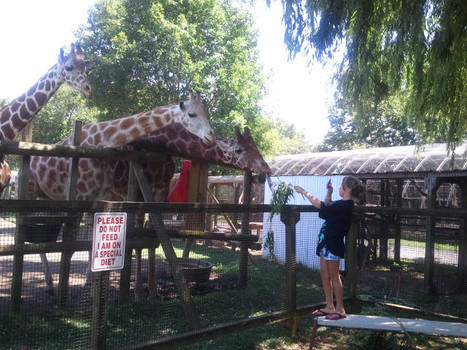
(338, 218)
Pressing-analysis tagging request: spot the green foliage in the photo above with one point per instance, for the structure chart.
(55, 120)
(384, 127)
(148, 53)
(281, 193)
(413, 48)
(286, 139)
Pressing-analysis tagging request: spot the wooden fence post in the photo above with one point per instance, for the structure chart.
(125, 273)
(462, 262)
(351, 260)
(197, 192)
(243, 264)
(384, 231)
(100, 288)
(397, 221)
(18, 259)
(290, 217)
(431, 187)
(69, 230)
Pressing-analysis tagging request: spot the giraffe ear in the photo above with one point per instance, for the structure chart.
(195, 96)
(88, 64)
(78, 49)
(246, 132)
(182, 105)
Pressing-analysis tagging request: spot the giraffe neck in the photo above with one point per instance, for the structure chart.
(19, 112)
(119, 132)
(176, 139)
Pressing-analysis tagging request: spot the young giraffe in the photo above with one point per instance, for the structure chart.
(70, 69)
(95, 178)
(241, 154)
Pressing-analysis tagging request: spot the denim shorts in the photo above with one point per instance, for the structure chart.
(327, 255)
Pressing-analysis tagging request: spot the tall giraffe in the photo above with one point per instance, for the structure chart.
(95, 178)
(70, 69)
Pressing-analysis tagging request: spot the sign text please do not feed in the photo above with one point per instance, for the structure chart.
(108, 243)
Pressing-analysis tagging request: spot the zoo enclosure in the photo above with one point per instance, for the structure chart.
(423, 177)
(101, 331)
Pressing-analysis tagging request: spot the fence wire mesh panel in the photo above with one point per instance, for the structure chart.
(308, 277)
(50, 300)
(212, 274)
(59, 305)
(399, 270)
(40, 322)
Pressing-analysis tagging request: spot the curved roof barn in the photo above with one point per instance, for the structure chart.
(399, 159)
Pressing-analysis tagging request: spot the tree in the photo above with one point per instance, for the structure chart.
(414, 48)
(55, 120)
(383, 128)
(286, 139)
(148, 53)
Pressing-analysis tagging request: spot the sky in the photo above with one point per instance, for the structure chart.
(32, 33)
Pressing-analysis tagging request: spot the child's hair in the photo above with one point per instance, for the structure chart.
(357, 189)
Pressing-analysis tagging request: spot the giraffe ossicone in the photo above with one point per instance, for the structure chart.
(70, 69)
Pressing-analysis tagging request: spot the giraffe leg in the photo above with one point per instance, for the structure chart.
(48, 276)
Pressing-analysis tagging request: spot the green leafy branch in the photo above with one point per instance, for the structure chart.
(281, 193)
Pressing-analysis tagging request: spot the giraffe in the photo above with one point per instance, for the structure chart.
(70, 69)
(51, 174)
(241, 154)
(95, 179)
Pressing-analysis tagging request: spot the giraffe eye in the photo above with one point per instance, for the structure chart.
(191, 115)
(69, 68)
(238, 150)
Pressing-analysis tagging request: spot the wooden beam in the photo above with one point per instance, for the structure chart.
(401, 325)
(431, 186)
(38, 149)
(156, 220)
(226, 217)
(243, 264)
(197, 192)
(70, 229)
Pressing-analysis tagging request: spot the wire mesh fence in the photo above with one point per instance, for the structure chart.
(44, 321)
(151, 305)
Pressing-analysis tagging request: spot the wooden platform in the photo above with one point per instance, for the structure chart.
(393, 324)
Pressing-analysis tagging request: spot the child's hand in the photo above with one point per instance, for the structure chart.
(329, 187)
(299, 189)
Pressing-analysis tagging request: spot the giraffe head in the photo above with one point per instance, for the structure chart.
(72, 69)
(246, 154)
(193, 118)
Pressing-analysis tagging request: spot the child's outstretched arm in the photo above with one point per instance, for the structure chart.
(313, 200)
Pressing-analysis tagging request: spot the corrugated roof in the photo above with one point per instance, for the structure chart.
(432, 157)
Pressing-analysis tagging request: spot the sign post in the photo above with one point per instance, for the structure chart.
(108, 242)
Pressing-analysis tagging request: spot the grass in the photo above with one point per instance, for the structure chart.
(421, 244)
(139, 322)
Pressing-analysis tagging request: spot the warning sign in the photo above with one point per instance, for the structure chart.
(108, 243)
